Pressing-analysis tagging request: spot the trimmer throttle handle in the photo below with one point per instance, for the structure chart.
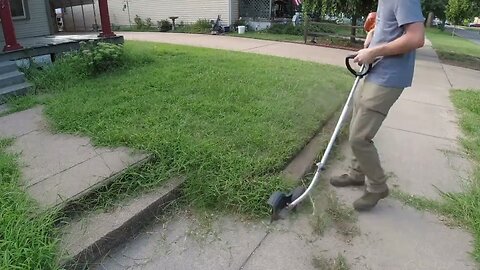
(364, 70)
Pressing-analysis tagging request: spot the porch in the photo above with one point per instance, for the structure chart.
(13, 47)
(52, 45)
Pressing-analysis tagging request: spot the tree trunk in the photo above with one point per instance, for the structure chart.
(429, 19)
(354, 30)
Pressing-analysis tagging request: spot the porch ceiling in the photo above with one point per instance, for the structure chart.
(69, 3)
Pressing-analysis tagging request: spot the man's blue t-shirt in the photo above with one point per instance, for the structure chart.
(394, 71)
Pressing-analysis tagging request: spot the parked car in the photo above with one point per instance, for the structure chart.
(436, 22)
(474, 25)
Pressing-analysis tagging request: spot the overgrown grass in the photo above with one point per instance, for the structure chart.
(463, 207)
(338, 263)
(26, 237)
(227, 121)
(455, 50)
(466, 206)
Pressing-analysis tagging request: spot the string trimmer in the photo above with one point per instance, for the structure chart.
(280, 200)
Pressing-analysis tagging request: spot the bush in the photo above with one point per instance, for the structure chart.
(99, 57)
(201, 26)
(92, 59)
(148, 23)
(290, 29)
(140, 24)
(164, 25)
(285, 29)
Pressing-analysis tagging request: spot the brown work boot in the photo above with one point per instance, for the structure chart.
(347, 180)
(369, 200)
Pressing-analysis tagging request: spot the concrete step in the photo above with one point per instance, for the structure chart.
(14, 90)
(11, 78)
(88, 238)
(8, 66)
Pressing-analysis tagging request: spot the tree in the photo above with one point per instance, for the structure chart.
(355, 9)
(438, 8)
(351, 8)
(458, 11)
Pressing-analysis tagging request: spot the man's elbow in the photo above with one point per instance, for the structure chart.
(417, 34)
(420, 41)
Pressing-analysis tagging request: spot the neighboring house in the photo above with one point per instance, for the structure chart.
(123, 12)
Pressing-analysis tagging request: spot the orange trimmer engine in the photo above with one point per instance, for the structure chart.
(370, 21)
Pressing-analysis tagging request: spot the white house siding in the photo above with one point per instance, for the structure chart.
(187, 11)
(37, 24)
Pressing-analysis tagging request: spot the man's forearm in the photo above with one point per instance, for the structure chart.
(403, 44)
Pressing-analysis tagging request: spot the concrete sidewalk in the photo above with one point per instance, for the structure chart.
(59, 168)
(419, 147)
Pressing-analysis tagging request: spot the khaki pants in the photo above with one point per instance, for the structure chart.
(371, 104)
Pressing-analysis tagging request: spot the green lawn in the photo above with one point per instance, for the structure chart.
(228, 121)
(455, 50)
(466, 206)
(26, 240)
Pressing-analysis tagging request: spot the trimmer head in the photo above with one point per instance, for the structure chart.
(280, 200)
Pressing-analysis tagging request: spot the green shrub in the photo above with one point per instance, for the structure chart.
(201, 26)
(164, 25)
(99, 57)
(290, 29)
(148, 23)
(91, 59)
(140, 24)
(285, 29)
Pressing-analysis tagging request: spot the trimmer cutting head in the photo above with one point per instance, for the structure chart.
(280, 200)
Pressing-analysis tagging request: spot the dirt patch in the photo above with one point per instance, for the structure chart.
(459, 60)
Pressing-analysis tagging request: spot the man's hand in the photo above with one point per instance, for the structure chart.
(365, 56)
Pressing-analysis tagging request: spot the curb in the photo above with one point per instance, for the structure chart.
(85, 241)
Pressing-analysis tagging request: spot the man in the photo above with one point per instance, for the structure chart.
(398, 32)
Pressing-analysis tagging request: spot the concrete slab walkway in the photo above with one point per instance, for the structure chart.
(419, 147)
(462, 78)
(57, 168)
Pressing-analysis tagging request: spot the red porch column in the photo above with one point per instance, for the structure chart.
(11, 43)
(105, 19)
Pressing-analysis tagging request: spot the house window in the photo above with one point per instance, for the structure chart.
(18, 9)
